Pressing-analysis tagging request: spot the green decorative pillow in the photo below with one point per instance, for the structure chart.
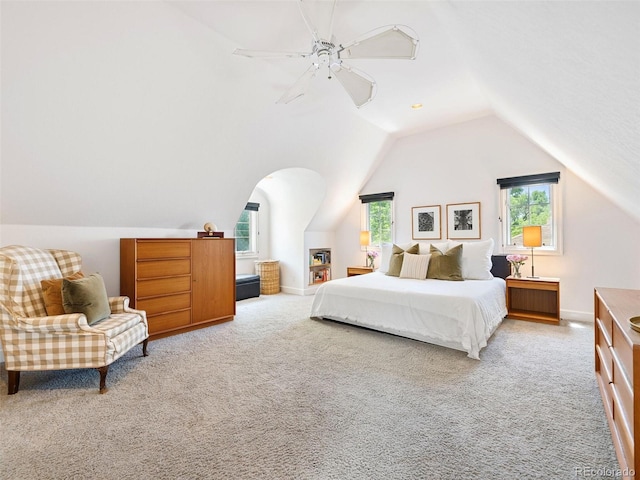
(445, 266)
(397, 255)
(86, 295)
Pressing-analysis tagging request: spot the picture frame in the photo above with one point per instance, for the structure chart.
(463, 221)
(426, 223)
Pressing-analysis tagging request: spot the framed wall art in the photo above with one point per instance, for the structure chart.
(463, 220)
(425, 223)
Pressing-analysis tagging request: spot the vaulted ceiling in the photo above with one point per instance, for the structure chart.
(565, 74)
(150, 95)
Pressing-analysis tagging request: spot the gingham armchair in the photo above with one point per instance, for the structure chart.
(31, 340)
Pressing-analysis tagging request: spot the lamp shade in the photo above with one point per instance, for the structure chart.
(532, 236)
(364, 238)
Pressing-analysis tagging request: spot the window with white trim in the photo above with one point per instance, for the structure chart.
(377, 217)
(531, 200)
(246, 230)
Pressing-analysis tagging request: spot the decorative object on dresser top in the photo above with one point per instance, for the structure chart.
(182, 283)
(52, 317)
(406, 297)
(210, 231)
(617, 368)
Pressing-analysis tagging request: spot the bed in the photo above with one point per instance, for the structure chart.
(456, 314)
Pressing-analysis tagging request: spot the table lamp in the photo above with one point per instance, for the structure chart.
(532, 237)
(365, 242)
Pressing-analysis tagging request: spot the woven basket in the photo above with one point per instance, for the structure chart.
(269, 271)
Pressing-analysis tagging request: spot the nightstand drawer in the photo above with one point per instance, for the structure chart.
(352, 271)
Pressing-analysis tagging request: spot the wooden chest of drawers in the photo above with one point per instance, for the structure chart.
(181, 283)
(617, 365)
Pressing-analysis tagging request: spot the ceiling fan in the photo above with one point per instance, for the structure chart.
(388, 42)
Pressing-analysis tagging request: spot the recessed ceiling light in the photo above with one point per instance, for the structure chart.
(416, 106)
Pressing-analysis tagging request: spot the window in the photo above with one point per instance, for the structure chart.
(531, 200)
(246, 230)
(377, 217)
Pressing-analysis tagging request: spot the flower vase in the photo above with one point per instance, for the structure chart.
(370, 262)
(516, 271)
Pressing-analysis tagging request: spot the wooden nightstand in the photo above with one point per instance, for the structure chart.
(352, 271)
(534, 299)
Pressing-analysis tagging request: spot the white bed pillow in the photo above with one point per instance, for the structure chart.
(425, 248)
(476, 259)
(385, 257)
(415, 266)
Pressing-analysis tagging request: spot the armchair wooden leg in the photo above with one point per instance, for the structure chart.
(144, 347)
(14, 382)
(103, 378)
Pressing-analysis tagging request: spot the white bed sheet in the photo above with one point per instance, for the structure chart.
(461, 315)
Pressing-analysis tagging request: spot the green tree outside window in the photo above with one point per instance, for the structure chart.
(380, 222)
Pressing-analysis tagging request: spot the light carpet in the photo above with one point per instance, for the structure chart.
(275, 394)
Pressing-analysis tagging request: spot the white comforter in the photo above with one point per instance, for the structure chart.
(461, 315)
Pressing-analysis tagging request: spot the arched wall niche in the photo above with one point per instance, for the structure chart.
(289, 199)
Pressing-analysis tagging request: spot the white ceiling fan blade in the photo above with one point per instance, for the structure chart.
(395, 41)
(301, 86)
(269, 54)
(360, 87)
(319, 18)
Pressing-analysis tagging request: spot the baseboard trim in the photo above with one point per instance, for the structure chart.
(576, 316)
(293, 290)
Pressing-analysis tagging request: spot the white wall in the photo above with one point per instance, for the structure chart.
(132, 114)
(461, 163)
(98, 246)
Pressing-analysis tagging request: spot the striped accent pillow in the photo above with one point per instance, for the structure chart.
(415, 266)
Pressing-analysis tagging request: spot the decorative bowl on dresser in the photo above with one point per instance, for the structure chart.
(617, 366)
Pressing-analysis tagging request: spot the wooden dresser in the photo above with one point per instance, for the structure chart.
(182, 284)
(617, 363)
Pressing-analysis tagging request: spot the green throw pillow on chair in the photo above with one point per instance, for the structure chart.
(86, 295)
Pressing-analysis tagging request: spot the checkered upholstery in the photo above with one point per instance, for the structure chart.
(31, 340)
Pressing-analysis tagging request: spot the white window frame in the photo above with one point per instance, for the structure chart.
(365, 223)
(253, 235)
(555, 200)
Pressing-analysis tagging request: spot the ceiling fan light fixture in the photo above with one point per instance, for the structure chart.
(388, 42)
(416, 106)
